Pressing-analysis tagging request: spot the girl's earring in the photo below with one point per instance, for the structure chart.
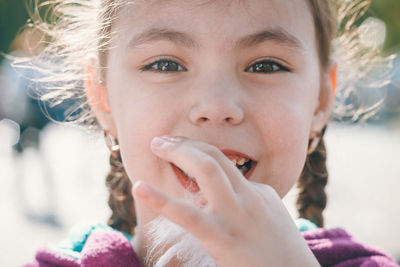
(111, 142)
(313, 143)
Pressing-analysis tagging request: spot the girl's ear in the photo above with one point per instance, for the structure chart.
(96, 94)
(325, 100)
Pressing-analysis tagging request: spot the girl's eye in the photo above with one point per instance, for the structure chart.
(266, 66)
(164, 65)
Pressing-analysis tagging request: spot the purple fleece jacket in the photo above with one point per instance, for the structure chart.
(104, 248)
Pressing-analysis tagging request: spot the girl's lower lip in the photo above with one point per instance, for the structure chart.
(253, 166)
(185, 181)
(191, 185)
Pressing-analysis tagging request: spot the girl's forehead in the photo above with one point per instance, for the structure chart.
(250, 9)
(208, 19)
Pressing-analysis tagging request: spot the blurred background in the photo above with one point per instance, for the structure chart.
(52, 176)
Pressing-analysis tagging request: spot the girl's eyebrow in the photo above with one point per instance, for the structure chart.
(157, 34)
(277, 35)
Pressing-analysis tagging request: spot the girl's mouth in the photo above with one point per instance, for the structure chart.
(244, 163)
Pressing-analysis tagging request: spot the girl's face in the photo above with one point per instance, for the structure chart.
(239, 75)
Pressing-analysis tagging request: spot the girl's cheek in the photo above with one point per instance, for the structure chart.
(136, 133)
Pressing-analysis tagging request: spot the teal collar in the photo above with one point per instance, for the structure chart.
(72, 246)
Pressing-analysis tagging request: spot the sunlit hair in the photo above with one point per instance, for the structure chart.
(362, 69)
(77, 33)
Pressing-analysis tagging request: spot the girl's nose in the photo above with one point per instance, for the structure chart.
(216, 105)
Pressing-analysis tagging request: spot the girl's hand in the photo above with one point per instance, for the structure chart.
(245, 224)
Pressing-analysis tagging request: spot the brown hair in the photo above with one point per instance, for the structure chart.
(123, 215)
(312, 198)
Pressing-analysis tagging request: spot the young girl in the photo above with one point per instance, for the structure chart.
(212, 110)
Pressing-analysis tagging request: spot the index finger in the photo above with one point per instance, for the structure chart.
(208, 173)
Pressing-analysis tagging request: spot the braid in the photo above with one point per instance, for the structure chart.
(123, 216)
(312, 197)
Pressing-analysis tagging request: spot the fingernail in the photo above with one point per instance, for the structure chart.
(142, 190)
(159, 141)
(171, 139)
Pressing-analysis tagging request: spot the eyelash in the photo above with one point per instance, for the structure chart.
(276, 67)
(153, 66)
(260, 65)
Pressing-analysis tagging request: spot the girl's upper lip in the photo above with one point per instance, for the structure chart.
(234, 154)
(230, 153)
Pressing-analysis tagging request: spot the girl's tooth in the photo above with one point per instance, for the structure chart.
(241, 161)
(233, 161)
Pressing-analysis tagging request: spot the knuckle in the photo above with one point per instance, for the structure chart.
(193, 218)
(212, 151)
(265, 190)
(269, 191)
(260, 197)
(161, 204)
(229, 238)
(207, 165)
